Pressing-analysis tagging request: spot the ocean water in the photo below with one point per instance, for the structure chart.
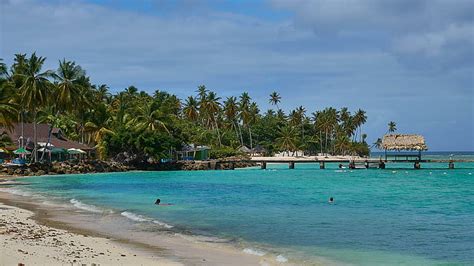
(392, 216)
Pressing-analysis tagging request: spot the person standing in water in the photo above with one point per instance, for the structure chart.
(157, 202)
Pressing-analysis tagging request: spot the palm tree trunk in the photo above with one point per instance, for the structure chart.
(22, 129)
(35, 156)
(251, 142)
(235, 126)
(321, 141)
(50, 130)
(326, 146)
(218, 133)
(241, 137)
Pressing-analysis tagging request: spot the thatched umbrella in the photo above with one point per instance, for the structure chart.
(409, 142)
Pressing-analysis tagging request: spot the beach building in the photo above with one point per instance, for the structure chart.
(59, 147)
(404, 146)
(193, 152)
(258, 150)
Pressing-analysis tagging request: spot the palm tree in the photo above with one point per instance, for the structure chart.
(102, 93)
(287, 139)
(69, 87)
(231, 112)
(8, 107)
(150, 119)
(378, 144)
(301, 111)
(35, 90)
(359, 119)
(275, 99)
(213, 108)
(392, 127)
(245, 114)
(190, 109)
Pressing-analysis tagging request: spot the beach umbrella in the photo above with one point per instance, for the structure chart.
(74, 151)
(21, 151)
(57, 150)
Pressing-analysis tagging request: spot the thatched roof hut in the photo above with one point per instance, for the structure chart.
(404, 142)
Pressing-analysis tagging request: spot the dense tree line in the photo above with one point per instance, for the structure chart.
(152, 126)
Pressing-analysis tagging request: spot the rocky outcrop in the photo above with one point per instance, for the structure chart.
(57, 168)
(97, 166)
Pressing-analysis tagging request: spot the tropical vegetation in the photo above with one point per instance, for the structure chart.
(153, 126)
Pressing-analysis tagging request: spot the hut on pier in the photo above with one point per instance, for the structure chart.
(411, 144)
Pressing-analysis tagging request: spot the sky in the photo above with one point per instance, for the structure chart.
(408, 61)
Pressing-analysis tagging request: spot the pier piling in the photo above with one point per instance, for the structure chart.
(322, 165)
(292, 165)
(263, 166)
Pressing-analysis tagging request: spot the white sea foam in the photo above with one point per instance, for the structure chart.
(140, 218)
(87, 207)
(135, 217)
(254, 252)
(17, 192)
(281, 258)
(165, 225)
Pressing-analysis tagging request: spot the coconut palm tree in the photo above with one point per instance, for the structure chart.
(8, 107)
(392, 127)
(190, 109)
(275, 99)
(245, 114)
(359, 119)
(69, 86)
(35, 90)
(213, 108)
(150, 119)
(287, 139)
(231, 112)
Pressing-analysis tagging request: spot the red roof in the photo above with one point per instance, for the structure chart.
(57, 138)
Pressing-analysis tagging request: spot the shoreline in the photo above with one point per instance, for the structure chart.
(165, 248)
(26, 240)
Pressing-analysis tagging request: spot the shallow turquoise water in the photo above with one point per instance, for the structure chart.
(391, 216)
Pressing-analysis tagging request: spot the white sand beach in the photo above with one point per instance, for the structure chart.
(23, 240)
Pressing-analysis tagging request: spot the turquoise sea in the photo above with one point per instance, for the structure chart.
(392, 216)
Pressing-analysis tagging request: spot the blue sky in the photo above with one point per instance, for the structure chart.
(409, 61)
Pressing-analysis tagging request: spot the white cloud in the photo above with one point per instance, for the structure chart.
(351, 61)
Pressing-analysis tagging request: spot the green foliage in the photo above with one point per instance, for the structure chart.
(224, 152)
(153, 126)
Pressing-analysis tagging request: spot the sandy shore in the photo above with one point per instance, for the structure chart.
(23, 240)
(35, 233)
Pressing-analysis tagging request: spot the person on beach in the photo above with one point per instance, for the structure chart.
(331, 200)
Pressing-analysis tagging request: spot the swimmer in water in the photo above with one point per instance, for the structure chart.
(331, 200)
(158, 202)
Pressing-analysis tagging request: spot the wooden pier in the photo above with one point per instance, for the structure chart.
(352, 163)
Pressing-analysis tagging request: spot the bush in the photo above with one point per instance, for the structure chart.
(223, 152)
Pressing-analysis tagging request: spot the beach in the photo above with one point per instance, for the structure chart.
(25, 241)
(39, 234)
